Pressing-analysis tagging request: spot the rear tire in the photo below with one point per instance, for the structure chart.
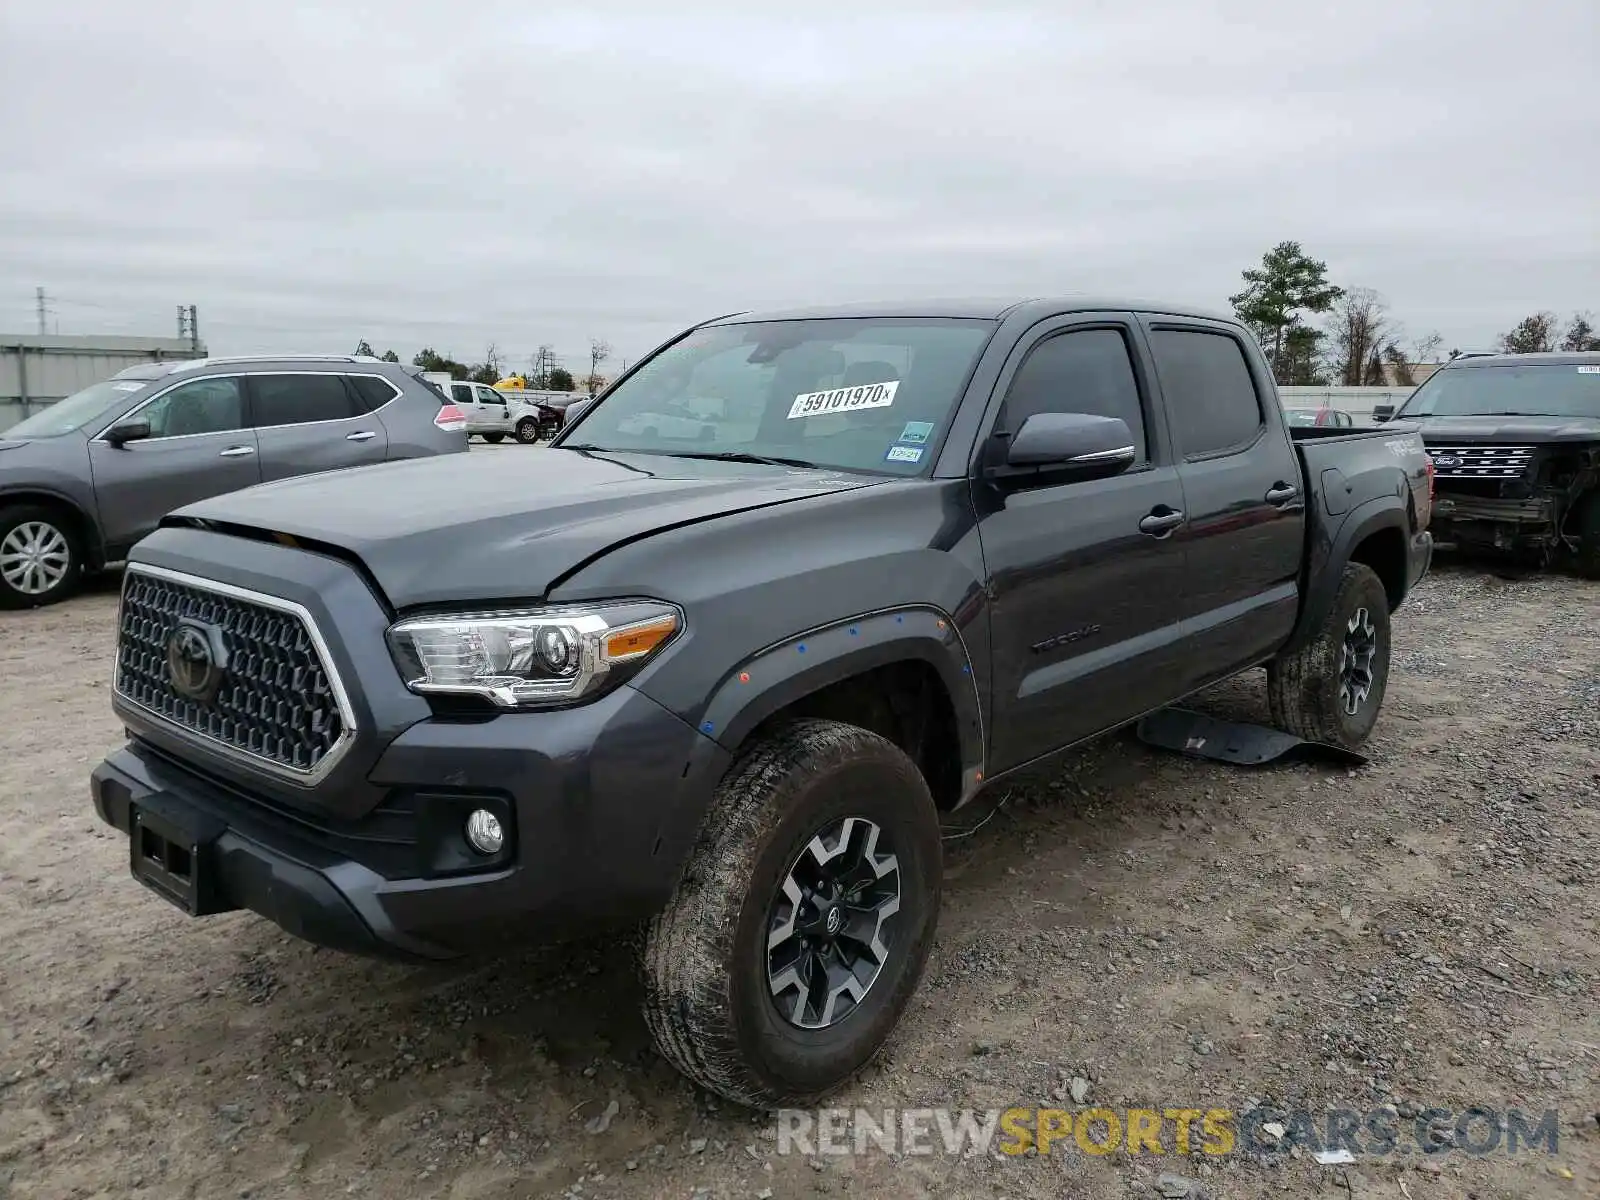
(527, 431)
(806, 837)
(1331, 689)
(41, 556)
(1586, 562)
(494, 439)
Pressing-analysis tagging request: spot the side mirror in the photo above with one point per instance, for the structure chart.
(1382, 413)
(1074, 445)
(131, 430)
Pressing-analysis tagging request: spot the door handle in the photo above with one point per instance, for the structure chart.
(1159, 524)
(237, 452)
(1282, 493)
(366, 435)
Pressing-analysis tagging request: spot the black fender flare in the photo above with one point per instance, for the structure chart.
(787, 671)
(1326, 570)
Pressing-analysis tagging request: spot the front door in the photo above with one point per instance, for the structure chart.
(491, 408)
(1086, 578)
(199, 446)
(310, 421)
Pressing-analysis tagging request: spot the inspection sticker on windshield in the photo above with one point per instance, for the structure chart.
(916, 432)
(845, 399)
(903, 454)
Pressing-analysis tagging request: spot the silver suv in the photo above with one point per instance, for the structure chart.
(85, 479)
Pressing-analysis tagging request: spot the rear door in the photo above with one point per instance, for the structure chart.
(465, 398)
(309, 421)
(1245, 533)
(1086, 579)
(200, 445)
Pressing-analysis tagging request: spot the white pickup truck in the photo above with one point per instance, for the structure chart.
(492, 414)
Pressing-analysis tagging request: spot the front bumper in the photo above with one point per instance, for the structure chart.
(1494, 523)
(601, 803)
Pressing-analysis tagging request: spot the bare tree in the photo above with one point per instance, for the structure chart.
(1360, 330)
(1426, 349)
(599, 351)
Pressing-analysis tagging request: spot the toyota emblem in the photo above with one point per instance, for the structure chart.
(196, 660)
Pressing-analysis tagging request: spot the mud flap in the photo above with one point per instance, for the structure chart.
(1200, 736)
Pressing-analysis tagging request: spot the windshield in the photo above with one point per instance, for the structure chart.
(866, 394)
(1523, 390)
(78, 409)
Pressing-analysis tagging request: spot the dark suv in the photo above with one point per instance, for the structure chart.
(85, 479)
(1515, 443)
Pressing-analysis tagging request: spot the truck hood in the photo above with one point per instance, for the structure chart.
(464, 529)
(1505, 431)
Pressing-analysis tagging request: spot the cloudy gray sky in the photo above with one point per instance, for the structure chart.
(456, 174)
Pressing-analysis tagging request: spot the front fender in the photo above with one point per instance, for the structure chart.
(1327, 560)
(787, 671)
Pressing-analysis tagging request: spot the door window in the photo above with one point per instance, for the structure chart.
(1210, 395)
(199, 406)
(372, 392)
(487, 395)
(298, 399)
(1084, 371)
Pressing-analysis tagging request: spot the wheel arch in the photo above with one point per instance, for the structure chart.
(1375, 533)
(84, 525)
(904, 673)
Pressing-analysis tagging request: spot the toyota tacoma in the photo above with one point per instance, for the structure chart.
(794, 590)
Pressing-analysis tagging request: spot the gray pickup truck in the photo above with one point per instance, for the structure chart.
(731, 682)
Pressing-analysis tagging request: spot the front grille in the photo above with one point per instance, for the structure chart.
(274, 699)
(1480, 462)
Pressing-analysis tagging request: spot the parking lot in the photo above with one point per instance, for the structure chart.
(1131, 930)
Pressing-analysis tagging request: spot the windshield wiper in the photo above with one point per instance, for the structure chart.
(742, 457)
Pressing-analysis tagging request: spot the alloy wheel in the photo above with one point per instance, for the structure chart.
(34, 557)
(831, 928)
(1355, 661)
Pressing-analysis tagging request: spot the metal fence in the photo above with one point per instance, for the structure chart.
(37, 371)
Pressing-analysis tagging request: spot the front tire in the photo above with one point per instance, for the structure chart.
(494, 439)
(800, 930)
(527, 431)
(41, 559)
(1331, 689)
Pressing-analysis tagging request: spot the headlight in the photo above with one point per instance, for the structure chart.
(543, 656)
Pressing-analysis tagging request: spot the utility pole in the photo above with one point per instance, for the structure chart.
(38, 294)
(183, 322)
(194, 329)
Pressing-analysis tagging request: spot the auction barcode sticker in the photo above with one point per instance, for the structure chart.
(1589, 370)
(845, 399)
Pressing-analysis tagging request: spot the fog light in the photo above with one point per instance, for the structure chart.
(484, 832)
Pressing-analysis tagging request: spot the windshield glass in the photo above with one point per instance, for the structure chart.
(1524, 390)
(77, 410)
(866, 394)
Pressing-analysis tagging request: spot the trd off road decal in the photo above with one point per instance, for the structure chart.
(845, 399)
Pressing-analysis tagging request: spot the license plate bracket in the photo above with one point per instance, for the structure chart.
(169, 851)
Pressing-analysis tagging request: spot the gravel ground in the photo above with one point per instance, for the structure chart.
(1131, 929)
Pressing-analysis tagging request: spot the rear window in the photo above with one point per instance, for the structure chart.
(1513, 390)
(374, 392)
(1211, 398)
